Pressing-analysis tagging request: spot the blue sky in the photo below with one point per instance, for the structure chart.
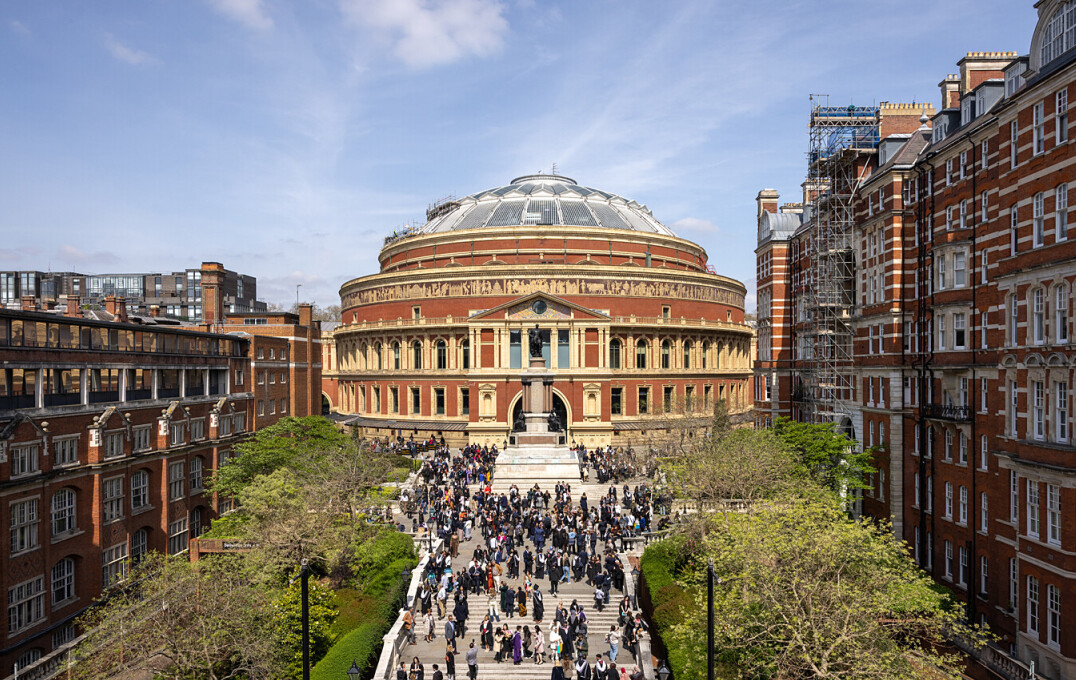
(286, 138)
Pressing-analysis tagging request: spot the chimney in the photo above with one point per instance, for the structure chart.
(28, 303)
(73, 306)
(117, 307)
(306, 314)
(155, 311)
(50, 304)
(767, 201)
(950, 91)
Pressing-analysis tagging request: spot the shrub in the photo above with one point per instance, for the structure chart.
(361, 646)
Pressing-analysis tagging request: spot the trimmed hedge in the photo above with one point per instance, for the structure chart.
(361, 646)
(669, 600)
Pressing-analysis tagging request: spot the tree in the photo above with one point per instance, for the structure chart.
(741, 464)
(287, 623)
(345, 475)
(809, 593)
(831, 458)
(180, 620)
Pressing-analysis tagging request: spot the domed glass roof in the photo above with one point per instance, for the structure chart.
(542, 200)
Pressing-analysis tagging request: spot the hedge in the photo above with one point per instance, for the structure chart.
(669, 599)
(361, 646)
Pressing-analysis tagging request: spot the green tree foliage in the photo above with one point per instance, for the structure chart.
(291, 442)
(180, 620)
(736, 464)
(807, 592)
(287, 624)
(831, 458)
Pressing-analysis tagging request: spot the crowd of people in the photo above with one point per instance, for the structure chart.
(520, 540)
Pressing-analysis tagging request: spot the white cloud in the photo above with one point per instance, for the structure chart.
(70, 255)
(125, 53)
(696, 225)
(19, 27)
(250, 13)
(425, 33)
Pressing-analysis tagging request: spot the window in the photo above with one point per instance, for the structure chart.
(1014, 138)
(963, 449)
(644, 400)
(139, 490)
(197, 429)
(416, 355)
(65, 451)
(197, 528)
(959, 332)
(964, 213)
(962, 574)
(416, 401)
(640, 354)
(177, 536)
(1014, 497)
(1032, 605)
(948, 177)
(984, 516)
(1062, 123)
(687, 354)
(1053, 514)
(1038, 128)
(139, 545)
(63, 635)
(442, 355)
(465, 401)
(960, 269)
(1014, 576)
(963, 506)
(1032, 508)
(1038, 409)
(1038, 316)
(948, 500)
(930, 494)
(196, 475)
(614, 354)
(439, 400)
(396, 356)
(941, 272)
(175, 480)
(1061, 412)
(23, 525)
(63, 581)
(112, 499)
(705, 354)
(113, 444)
(63, 512)
(24, 460)
(1038, 215)
(948, 218)
(1061, 212)
(667, 399)
(984, 453)
(983, 564)
(177, 434)
(1053, 607)
(948, 559)
(984, 154)
(616, 401)
(1014, 228)
(25, 604)
(963, 164)
(394, 399)
(114, 564)
(941, 333)
(141, 437)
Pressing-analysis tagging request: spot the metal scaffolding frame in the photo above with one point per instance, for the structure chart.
(839, 138)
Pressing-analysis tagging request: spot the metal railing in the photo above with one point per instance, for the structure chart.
(960, 414)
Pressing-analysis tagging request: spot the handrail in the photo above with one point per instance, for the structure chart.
(446, 320)
(396, 639)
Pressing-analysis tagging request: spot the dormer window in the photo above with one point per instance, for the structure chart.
(1060, 33)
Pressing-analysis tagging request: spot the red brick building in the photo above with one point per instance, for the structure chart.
(960, 327)
(108, 431)
(634, 323)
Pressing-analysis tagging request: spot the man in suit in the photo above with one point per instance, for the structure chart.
(450, 633)
(472, 662)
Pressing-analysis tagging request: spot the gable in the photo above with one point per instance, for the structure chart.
(540, 306)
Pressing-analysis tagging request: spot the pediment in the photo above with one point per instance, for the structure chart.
(540, 306)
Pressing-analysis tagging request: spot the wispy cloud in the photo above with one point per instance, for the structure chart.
(71, 255)
(425, 33)
(126, 54)
(250, 13)
(19, 27)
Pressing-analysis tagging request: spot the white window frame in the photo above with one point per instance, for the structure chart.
(1038, 410)
(25, 605)
(62, 578)
(63, 512)
(1053, 514)
(25, 460)
(139, 490)
(112, 444)
(1014, 144)
(24, 523)
(1032, 506)
(1032, 605)
(984, 516)
(948, 500)
(1038, 128)
(177, 536)
(112, 499)
(1061, 115)
(65, 450)
(962, 506)
(114, 564)
(176, 486)
(1014, 497)
(1061, 212)
(1053, 623)
(1038, 220)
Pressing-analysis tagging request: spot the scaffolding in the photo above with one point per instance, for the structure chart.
(840, 139)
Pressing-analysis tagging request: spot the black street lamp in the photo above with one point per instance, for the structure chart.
(710, 620)
(664, 672)
(353, 672)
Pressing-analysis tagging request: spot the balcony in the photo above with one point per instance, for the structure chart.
(952, 412)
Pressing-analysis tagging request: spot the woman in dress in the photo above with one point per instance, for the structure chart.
(539, 646)
(431, 626)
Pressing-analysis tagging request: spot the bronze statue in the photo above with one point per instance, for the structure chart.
(535, 337)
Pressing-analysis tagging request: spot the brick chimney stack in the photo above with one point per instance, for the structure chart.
(767, 200)
(306, 314)
(28, 303)
(73, 306)
(117, 307)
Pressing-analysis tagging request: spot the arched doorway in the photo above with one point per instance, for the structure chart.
(559, 406)
(326, 406)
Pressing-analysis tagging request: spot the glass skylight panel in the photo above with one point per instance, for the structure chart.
(507, 214)
(504, 190)
(544, 209)
(637, 221)
(527, 188)
(582, 191)
(477, 217)
(576, 213)
(609, 217)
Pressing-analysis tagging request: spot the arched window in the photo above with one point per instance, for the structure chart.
(442, 355)
(465, 354)
(63, 581)
(666, 354)
(363, 350)
(687, 353)
(139, 544)
(395, 356)
(139, 490)
(614, 354)
(706, 354)
(63, 512)
(416, 355)
(1060, 34)
(377, 356)
(640, 354)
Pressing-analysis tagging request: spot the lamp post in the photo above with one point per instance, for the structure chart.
(297, 287)
(353, 672)
(710, 620)
(663, 670)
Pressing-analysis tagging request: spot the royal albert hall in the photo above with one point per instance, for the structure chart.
(635, 327)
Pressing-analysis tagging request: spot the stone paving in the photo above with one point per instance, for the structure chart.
(598, 622)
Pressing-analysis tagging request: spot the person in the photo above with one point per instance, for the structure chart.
(450, 665)
(401, 672)
(561, 670)
(613, 638)
(409, 625)
(472, 662)
(450, 634)
(521, 601)
(485, 632)
(517, 646)
(539, 606)
(582, 669)
(539, 646)
(417, 671)
(437, 674)
(431, 626)
(600, 668)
